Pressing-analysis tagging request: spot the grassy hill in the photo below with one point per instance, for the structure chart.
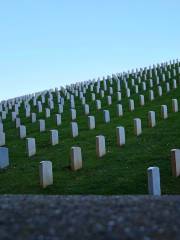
(123, 170)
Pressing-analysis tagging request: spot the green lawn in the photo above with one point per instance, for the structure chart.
(120, 171)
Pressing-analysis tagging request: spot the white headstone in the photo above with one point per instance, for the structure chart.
(91, 122)
(45, 173)
(93, 96)
(137, 126)
(58, 119)
(98, 104)
(74, 129)
(3, 115)
(42, 127)
(128, 93)
(33, 117)
(76, 158)
(151, 95)
(39, 106)
(28, 112)
(100, 146)
(143, 86)
(2, 139)
(73, 114)
(164, 112)
(1, 127)
(102, 93)
(174, 84)
(131, 105)
(174, 105)
(48, 113)
(18, 122)
(22, 131)
(119, 97)
(4, 157)
(154, 187)
(54, 137)
(13, 116)
(31, 146)
(86, 109)
(160, 91)
(109, 100)
(175, 162)
(151, 119)
(119, 110)
(167, 87)
(120, 135)
(141, 100)
(106, 116)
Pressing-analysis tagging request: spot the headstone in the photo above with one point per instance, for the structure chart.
(120, 135)
(13, 116)
(39, 106)
(83, 100)
(175, 162)
(58, 119)
(143, 86)
(28, 112)
(167, 87)
(154, 187)
(86, 109)
(111, 91)
(18, 122)
(137, 126)
(164, 112)
(73, 114)
(31, 146)
(119, 97)
(102, 93)
(141, 100)
(119, 110)
(91, 122)
(3, 115)
(22, 131)
(74, 129)
(1, 127)
(48, 113)
(106, 116)
(93, 96)
(42, 127)
(174, 84)
(98, 104)
(160, 91)
(151, 119)
(33, 117)
(150, 83)
(4, 157)
(128, 93)
(2, 139)
(46, 173)
(100, 146)
(61, 108)
(151, 95)
(109, 100)
(54, 137)
(76, 158)
(131, 105)
(174, 105)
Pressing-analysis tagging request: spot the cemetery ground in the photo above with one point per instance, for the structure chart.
(123, 170)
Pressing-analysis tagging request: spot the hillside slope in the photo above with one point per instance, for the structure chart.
(123, 170)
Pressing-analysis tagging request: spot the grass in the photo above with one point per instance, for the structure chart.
(123, 170)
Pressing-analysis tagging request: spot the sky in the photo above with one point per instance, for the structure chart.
(50, 43)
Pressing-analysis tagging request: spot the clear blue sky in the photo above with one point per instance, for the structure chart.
(48, 43)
